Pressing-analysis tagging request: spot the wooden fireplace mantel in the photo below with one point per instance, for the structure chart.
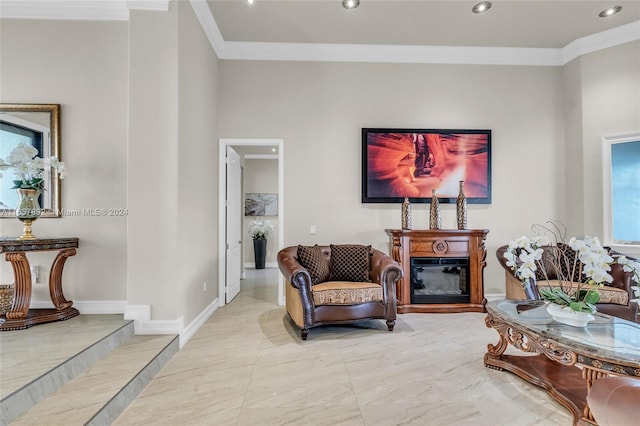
(469, 243)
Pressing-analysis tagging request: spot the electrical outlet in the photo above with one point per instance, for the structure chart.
(35, 273)
(312, 229)
(204, 286)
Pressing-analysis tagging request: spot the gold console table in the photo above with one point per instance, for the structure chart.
(19, 316)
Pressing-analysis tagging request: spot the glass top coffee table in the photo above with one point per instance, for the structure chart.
(568, 358)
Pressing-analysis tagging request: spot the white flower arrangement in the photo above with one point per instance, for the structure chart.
(636, 291)
(260, 229)
(29, 168)
(525, 256)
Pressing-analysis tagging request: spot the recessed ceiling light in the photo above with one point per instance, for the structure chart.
(610, 11)
(481, 7)
(350, 4)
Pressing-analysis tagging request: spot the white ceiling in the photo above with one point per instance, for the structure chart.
(517, 32)
(528, 24)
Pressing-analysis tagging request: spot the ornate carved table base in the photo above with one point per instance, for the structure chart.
(20, 316)
(566, 374)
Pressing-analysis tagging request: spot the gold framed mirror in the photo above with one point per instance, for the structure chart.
(39, 126)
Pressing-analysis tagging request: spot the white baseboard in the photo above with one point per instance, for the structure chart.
(252, 265)
(141, 315)
(143, 324)
(188, 332)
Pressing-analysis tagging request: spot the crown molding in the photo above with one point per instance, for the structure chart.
(209, 25)
(104, 10)
(367, 52)
(390, 53)
(409, 54)
(119, 10)
(603, 40)
(428, 54)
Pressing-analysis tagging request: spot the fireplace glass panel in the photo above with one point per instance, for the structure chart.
(440, 280)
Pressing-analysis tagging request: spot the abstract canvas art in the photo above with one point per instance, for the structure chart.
(259, 204)
(399, 163)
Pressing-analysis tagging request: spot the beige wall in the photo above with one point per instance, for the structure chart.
(144, 103)
(611, 107)
(152, 162)
(320, 108)
(572, 85)
(260, 176)
(138, 105)
(197, 245)
(82, 66)
(172, 161)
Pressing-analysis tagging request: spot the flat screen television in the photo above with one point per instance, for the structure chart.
(409, 163)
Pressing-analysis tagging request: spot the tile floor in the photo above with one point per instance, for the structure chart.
(27, 354)
(247, 366)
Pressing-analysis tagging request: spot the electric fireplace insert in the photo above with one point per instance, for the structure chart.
(439, 280)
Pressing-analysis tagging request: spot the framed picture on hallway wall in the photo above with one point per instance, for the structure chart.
(399, 163)
(258, 204)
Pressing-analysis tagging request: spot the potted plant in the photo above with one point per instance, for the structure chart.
(579, 271)
(259, 230)
(29, 172)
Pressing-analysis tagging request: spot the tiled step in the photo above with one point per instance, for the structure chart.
(37, 361)
(99, 394)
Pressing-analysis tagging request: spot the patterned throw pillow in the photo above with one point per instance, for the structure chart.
(570, 264)
(561, 256)
(315, 262)
(350, 263)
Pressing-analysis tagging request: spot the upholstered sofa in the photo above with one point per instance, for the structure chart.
(338, 284)
(615, 298)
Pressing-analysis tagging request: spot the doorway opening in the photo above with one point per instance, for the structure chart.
(245, 146)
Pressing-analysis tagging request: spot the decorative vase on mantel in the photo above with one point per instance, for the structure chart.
(406, 214)
(434, 212)
(260, 252)
(461, 208)
(28, 210)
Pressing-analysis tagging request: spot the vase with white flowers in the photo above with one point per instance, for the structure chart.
(573, 271)
(29, 174)
(259, 230)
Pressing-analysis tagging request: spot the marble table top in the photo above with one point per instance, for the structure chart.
(39, 244)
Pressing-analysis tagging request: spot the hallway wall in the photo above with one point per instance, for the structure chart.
(319, 110)
(138, 133)
(260, 176)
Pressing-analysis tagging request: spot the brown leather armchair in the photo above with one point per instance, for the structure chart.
(615, 296)
(307, 309)
(614, 401)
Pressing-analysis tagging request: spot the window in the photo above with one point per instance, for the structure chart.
(622, 190)
(11, 135)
